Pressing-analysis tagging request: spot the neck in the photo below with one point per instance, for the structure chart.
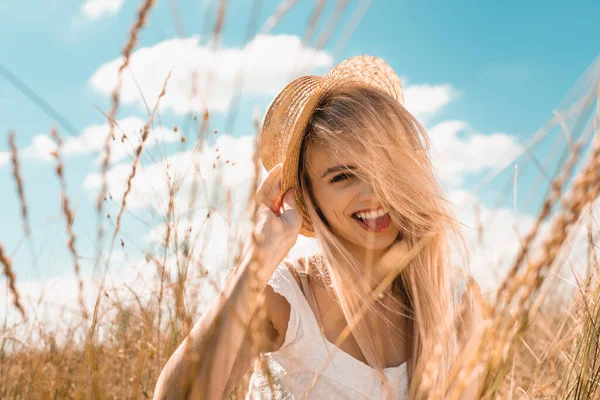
(377, 264)
(370, 260)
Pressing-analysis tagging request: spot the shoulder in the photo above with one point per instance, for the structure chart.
(284, 277)
(279, 296)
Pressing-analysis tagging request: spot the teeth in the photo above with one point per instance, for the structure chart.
(371, 214)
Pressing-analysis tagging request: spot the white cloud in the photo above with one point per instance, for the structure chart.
(233, 171)
(211, 236)
(492, 251)
(490, 259)
(203, 77)
(61, 314)
(151, 190)
(223, 191)
(268, 62)
(425, 100)
(4, 157)
(457, 150)
(495, 237)
(128, 135)
(127, 138)
(40, 148)
(96, 9)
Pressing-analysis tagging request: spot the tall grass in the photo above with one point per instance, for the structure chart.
(532, 344)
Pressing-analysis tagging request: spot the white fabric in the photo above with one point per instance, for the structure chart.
(304, 350)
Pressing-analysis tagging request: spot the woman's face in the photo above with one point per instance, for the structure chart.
(340, 194)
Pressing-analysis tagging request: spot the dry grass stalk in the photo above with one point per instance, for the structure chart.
(14, 158)
(162, 269)
(203, 130)
(258, 339)
(554, 196)
(588, 371)
(354, 21)
(215, 40)
(128, 360)
(312, 21)
(10, 276)
(219, 22)
(499, 341)
(134, 164)
(16, 174)
(143, 12)
(69, 219)
(276, 17)
(177, 18)
(127, 50)
(327, 33)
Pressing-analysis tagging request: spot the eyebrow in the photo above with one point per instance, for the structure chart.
(337, 168)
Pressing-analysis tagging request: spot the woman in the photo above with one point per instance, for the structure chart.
(375, 313)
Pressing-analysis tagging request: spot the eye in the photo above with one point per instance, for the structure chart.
(341, 177)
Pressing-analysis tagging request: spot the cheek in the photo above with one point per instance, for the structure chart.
(336, 203)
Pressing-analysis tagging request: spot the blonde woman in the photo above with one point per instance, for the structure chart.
(373, 314)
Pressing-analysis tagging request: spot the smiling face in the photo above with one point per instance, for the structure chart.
(339, 193)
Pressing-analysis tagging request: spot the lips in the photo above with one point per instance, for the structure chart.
(378, 225)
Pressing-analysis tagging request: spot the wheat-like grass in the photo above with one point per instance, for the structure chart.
(499, 341)
(127, 51)
(69, 218)
(134, 164)
(10, 276)
(553, 197)
(529, 345)
(273, 20)
(14, 157)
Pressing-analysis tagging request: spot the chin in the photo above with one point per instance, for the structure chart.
(360, 238)
(381, 241)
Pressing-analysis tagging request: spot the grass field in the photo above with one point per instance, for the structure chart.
(113, 339)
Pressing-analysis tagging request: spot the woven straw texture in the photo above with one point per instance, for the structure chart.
(288, 115)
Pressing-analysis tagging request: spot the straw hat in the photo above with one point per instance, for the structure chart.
(288, 115)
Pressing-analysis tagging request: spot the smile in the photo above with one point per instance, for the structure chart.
(372, 221)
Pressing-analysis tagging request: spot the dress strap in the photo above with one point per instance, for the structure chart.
(310, 296)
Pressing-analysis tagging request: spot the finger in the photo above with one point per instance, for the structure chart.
(275, 191)
(265, 186)
(270, 179)
(289, 200)
(289, 203)
(290, 214)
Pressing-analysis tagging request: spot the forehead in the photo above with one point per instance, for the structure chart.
(320, 158)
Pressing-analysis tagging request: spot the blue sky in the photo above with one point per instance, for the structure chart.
(505, 66)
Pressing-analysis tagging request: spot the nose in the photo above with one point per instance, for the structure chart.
(366, 193)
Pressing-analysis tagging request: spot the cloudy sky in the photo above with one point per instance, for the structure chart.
(483, 79)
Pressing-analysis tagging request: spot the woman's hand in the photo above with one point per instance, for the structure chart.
(279, 221)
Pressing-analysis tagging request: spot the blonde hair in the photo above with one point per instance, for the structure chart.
(390, 150)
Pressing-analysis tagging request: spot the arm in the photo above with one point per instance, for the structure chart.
(203, 365)
(274, 327)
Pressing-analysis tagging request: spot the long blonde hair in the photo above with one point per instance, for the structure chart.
(390, 148)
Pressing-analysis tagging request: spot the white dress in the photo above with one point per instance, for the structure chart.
(305, 350)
